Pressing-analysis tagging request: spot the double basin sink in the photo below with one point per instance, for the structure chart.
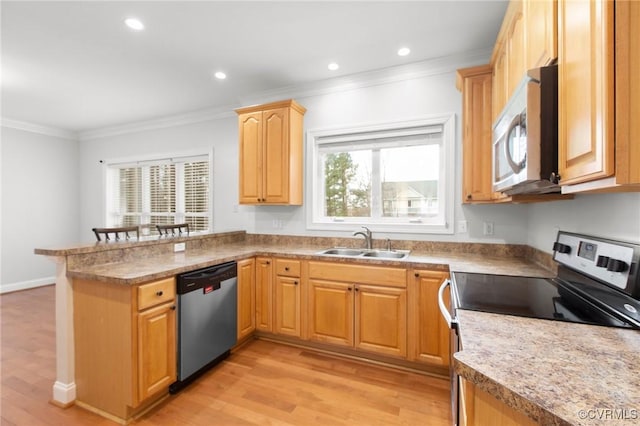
(349, 252)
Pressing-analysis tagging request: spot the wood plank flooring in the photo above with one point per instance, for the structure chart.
(263, 383)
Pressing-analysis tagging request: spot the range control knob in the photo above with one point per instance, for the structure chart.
(602, 261)
(615, 265)
(561, 248)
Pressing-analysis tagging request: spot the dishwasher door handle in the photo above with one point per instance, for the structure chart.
(443, 309)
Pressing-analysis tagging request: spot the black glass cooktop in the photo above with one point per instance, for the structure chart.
(529, 297)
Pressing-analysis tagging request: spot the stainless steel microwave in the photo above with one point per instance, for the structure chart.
(525, 137)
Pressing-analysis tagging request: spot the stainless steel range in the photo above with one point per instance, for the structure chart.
(598, 283)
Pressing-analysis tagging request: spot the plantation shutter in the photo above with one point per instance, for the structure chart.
(196, 195)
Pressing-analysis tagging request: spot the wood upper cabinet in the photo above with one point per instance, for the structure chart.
(516, 50)
(586, 90)
(499, 83)
(288, 298)
(271, 153)
(358, 306)
(264, 294)
(246, 297)
(475, 84)
(599, 105)
(125, 344)
(429, 335)
(541, 23)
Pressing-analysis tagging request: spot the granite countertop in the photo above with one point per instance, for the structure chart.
(557, 373)
(140, 270)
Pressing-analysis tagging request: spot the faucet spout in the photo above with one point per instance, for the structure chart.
(367, 234)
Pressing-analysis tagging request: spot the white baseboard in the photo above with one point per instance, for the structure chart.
(24, 285)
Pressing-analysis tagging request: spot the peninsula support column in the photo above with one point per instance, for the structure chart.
(64, 389)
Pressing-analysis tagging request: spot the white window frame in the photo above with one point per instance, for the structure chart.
(149, 160)
(315, 190)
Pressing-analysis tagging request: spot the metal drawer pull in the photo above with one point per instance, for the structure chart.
(159, 293)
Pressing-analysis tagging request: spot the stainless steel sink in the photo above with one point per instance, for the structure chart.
(383, 254)
(387, 254)
(343, 252)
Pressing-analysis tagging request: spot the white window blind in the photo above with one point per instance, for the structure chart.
(150, 193)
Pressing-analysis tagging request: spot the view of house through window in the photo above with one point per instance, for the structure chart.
(159, 193)
(395, 175)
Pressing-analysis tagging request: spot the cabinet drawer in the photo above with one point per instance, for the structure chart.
(288, 267)
(157, 292)
(394, 277)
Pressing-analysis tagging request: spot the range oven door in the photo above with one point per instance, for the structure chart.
(455, 345)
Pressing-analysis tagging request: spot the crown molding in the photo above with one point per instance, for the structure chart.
(38, 128)
(199, 116)
(414, 70)
(432, 67)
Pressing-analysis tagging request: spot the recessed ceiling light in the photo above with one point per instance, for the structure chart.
(333, 66)
(220, 75)
(134, 24)
(404, 51)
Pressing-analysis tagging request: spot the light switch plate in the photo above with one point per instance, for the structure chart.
(179, 247)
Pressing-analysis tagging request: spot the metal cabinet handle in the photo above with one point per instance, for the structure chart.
(159, 293)
(295, 282)
(417, 275)
(443, 308)
(286, 268)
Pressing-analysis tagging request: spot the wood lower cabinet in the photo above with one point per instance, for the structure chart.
(331, 308)
(264, 294)
(125, 345)
(478, 408)
(246, 297)
(358, 306)
(429, 334)
(288, 298)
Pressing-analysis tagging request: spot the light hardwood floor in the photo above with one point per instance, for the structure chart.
(262, 383)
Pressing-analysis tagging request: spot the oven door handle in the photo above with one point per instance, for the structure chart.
(451, 323)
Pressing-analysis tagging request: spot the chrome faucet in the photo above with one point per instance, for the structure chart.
(366, 235)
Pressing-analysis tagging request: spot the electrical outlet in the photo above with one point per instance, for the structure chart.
(462, 226)
(488, 228)
(179, 247)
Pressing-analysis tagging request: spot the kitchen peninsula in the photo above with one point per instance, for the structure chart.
(134, 263)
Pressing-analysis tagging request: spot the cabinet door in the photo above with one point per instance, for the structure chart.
(331, 312)
(264, 294)
(251, 160)
(499, 84)
(476, 139)
(287, 306)
(541, 19)
(585, 90)
(428, 332)
(381, 320)
(246, 297)
(276, 155)
(156, 349)
(516, 53)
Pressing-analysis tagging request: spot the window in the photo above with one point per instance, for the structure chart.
(396, 176)
(150, 193)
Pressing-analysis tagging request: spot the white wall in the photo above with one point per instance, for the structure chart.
(220, 135)
(615, 216)
(40, 205)
(417, 97)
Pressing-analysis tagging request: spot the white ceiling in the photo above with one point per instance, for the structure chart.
(75, 66)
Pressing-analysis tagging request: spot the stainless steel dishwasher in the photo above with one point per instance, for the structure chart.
(207, 319)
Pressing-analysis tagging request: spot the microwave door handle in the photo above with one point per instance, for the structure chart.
(517, 121)
(443, 309)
